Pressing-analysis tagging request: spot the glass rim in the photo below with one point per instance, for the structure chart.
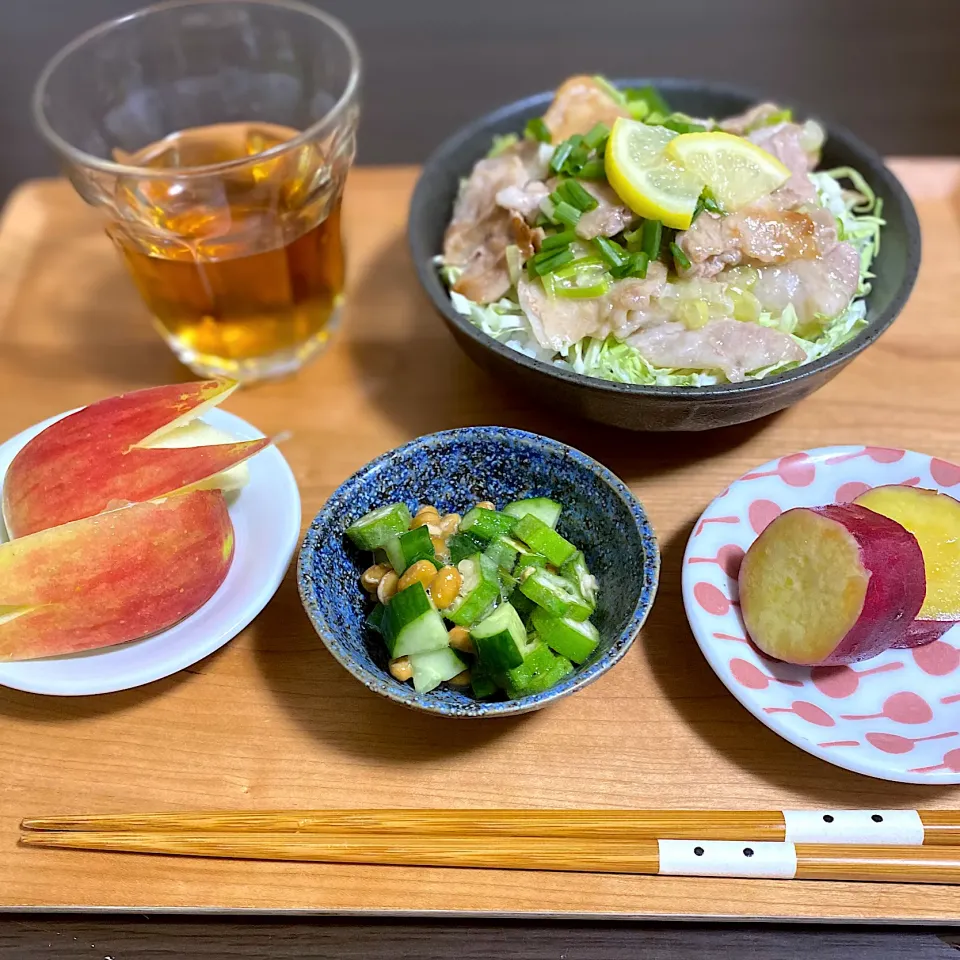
(81, 157)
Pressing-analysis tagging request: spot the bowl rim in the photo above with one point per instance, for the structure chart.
(404, 694)
(430, 279)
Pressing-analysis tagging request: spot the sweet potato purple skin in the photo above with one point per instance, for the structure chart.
(921, 632)
(897, 584)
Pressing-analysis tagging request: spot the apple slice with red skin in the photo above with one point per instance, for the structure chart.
(114, 577)
(831, 585)
(103, 456)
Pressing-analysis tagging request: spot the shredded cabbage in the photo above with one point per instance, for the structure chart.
(859, 223)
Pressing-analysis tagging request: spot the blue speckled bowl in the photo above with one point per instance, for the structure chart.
(454, 470)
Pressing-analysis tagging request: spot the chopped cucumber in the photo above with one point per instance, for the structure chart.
(375, 618)
(432, 668)
(522, 604)
(479, 591)
(556, 595)
(526, 597)
(577, 572)
(541, 538)
(463, 545)
(508, 585)
(409, 547)
(539, 660)
(561, 668)
(482, 685)
(379, 526)
(543, 508)
(412, 624)
(486, 524)
(501, 639)
(503, 551)
(572, 639)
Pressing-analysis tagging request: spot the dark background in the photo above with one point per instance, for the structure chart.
(889, 69)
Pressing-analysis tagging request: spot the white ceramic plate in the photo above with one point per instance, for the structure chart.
(266, 519)
(897, 716)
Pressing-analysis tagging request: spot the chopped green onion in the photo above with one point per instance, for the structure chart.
(612, 253)
(551, 261)
(656, 118)
(639, 109)
(542, 220)
(597, 136)
(592, 170)
(578, 157)
(682, 260)
(578, 265)
(634, 239)
(781, 116)
(652, 238)
(560, 156)
(634, 265)
(683, 126)
(557, 241)
(583, 293)
(707, 202)
(573, 193)
(536, 129)
(649, 96)
(567, 214)
(609, 89)
(710, 204)
(563, 156)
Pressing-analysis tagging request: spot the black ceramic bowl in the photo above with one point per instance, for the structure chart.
(653, 407)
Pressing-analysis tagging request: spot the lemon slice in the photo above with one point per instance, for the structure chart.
(736, 170)
(645, 178)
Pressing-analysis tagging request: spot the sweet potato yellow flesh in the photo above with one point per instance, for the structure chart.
(802, 587)
(112, 578)
(934, 519)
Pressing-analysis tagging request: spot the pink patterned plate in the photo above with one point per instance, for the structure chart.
(897, 716)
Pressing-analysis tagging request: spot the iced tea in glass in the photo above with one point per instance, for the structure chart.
(217, 135)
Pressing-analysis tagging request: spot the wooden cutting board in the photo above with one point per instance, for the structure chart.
(273, 721)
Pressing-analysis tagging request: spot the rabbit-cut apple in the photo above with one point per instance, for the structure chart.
(108, 579)
(130, 448)
(831, 585)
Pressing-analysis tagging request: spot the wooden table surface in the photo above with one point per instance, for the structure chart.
(273, 721)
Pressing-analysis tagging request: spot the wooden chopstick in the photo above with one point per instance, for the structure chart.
(939, 827)
(897, 864)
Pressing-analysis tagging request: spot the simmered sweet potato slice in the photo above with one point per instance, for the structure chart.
(830, 585)
(934, 519)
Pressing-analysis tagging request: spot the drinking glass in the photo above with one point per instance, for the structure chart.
(216, 135)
